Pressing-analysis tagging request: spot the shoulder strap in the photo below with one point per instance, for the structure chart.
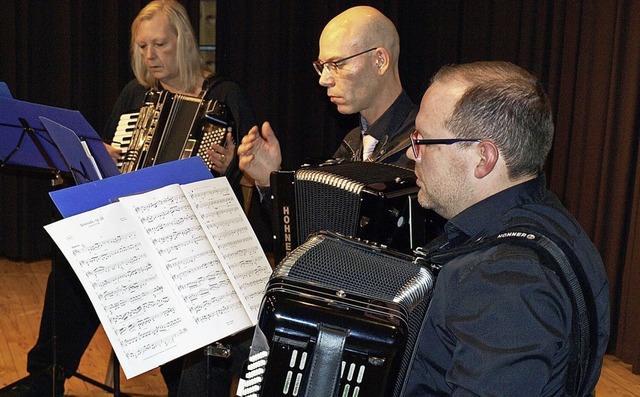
(556, 256)
(212, 81)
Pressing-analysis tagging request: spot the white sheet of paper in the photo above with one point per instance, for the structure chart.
(163, 270)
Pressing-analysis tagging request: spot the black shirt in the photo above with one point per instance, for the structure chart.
(499, 322)
(392, 130)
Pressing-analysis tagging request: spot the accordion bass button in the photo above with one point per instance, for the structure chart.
(376, 361)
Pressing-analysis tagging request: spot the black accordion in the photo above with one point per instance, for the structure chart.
(170, 127)
(340, 317)
(376, 202)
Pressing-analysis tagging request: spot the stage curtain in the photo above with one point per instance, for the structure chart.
(68, 54)
(74, 54)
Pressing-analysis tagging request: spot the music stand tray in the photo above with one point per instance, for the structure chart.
(26, 143)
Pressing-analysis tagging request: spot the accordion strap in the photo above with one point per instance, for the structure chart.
(561, 261)
(326, 362)
(210, 83)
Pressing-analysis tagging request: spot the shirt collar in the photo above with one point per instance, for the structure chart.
(390, 119)
(486, 217)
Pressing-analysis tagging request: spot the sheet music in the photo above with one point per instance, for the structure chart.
(234, 240)
(91, 158)
(168, 271)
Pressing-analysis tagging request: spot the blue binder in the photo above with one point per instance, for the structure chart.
(4, 90)
(88, 196)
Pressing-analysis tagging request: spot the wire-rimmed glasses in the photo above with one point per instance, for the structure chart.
(333, 66)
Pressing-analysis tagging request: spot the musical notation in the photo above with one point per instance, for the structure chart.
(164, 343)
(233, 239)
(119, 290)
(217, 313)
(162, 267)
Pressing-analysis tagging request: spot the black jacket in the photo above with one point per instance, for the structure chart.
(499, 321)
(392, 130)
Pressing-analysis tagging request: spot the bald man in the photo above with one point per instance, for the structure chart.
(358, 65)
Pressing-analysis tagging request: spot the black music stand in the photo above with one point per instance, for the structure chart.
(41, 138)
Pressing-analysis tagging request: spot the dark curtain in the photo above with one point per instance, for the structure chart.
(74, 54)
(68, 54)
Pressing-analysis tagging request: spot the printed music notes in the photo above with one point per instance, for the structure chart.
(168, 271)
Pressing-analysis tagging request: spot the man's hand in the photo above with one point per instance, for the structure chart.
(260, 154)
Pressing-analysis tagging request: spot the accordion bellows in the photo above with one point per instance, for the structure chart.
(170, 127)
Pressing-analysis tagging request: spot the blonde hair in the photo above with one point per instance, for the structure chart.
(188, 58)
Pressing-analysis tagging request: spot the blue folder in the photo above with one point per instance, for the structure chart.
(4, 90)
(79, 163)
(88, 196)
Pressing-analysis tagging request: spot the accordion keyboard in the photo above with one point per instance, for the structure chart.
(124, 131)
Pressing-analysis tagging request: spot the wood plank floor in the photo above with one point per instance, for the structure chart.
(22, 286)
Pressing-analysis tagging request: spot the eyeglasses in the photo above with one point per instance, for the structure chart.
(415, 142)
(332, 66)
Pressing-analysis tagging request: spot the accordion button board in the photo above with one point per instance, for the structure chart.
(368, 302)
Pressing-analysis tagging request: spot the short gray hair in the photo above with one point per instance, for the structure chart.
(507, 105)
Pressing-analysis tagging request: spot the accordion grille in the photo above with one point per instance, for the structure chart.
(362, 272)
(321, 207)
(331, 200)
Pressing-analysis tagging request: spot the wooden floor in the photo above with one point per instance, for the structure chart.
(22, 287)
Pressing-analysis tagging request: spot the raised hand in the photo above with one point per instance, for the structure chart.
(260, 154)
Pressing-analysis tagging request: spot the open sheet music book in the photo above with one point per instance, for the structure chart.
(168, 271)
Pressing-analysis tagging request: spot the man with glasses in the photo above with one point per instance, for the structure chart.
(502, 318)
(358, 65)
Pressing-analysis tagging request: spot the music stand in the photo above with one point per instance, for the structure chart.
(79, 160)
(27, 144)
(4, 90)
(41, 138)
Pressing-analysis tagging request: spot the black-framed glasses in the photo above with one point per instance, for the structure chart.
(332, 66)
(415, 142)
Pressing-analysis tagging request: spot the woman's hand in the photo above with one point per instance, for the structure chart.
(222, 156)
(116, 154)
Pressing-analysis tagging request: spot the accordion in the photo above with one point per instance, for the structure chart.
(340, 317)
(170, 127)
(375, 202)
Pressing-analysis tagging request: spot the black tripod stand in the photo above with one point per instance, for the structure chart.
(32, 148)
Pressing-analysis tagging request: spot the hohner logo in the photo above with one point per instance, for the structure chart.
(528, 236)
(286, 222)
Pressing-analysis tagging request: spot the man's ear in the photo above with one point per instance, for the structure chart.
(488, 158)
(382, 59)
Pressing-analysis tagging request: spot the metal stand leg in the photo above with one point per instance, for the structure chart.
(216, 349)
